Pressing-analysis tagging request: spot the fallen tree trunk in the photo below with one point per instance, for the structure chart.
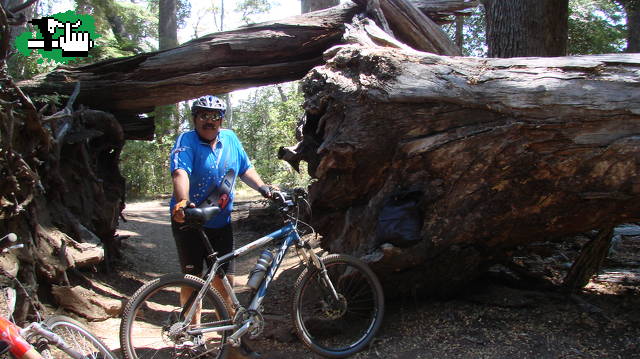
(502, 152)
(63, 186)
(257, 55)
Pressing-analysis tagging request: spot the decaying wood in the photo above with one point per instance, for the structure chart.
(414, 28)
(505, 152)
(217, 63)
(87, 303)
(222, 62)
(589, 261)
(63, 184)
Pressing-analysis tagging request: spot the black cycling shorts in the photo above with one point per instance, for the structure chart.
(192, 252)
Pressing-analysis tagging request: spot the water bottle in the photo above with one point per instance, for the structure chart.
(260, 270)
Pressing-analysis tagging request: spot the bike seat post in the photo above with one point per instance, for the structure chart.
(211, 253)
(207, 244)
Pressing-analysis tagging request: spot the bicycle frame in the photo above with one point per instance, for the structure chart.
(20, 348)
(291, 237)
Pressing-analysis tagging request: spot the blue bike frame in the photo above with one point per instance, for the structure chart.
(291, 237)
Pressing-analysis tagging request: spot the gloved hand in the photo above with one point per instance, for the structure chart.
(265, 191)
(177, 214)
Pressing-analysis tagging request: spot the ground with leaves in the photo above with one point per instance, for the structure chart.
(489, 321)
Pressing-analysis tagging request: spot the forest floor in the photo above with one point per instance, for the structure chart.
(489, 321)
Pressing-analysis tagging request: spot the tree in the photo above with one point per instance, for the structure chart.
(632, 8)
(266, 121)
(167, 24)
(126, 28)
(526, 28)
(250, 8)
(595, 27)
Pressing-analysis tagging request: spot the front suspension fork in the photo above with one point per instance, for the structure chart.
(311, 259)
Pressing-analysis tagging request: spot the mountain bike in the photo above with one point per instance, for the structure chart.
(56, 337)
(338, 303)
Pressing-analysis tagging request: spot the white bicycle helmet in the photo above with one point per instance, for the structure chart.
(209, 103)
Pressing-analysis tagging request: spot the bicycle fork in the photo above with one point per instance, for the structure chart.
(310, 257)
(52, 338)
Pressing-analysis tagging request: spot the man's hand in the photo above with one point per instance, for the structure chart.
(177, 214)
(265, 191)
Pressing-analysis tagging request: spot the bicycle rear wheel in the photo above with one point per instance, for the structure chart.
(150, 326)
(342, 327)
(77, 337)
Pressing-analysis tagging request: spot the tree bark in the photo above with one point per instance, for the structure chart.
(526, 28)
(503, 151)
(219, 63)
(589, 261)
(633, 26)
(167, 24)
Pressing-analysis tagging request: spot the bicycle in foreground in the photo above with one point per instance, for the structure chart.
(56, 337)
(338, 303)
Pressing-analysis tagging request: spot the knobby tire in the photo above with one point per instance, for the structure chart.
(145, 330)
(337, 329)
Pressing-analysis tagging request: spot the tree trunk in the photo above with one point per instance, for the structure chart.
(25, 15)
(502, 152)
(167, 24)
(217, 63)
(527, 27)
(633, 28)
(223, 62)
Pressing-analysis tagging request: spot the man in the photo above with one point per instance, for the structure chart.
(203, 161)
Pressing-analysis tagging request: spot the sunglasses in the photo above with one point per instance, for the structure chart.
(210, 116)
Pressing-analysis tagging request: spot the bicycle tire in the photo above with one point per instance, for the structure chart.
(78, 337)
(155, 307)
(337, 329)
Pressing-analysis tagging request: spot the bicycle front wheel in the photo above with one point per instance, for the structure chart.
(151, 324)
(338, 327)
(77, 337)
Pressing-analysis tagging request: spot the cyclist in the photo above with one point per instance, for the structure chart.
(205, 161)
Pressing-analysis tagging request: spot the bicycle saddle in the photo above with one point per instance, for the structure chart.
(199, 216)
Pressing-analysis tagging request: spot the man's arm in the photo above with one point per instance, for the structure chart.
(253, 180)
(180, 180)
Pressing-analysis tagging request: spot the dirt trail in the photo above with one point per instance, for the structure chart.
(490, 322)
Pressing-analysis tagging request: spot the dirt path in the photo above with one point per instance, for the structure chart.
(490, 322)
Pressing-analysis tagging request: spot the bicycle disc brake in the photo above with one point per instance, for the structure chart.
(334, 309)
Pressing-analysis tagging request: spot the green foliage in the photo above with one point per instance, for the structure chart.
(126, 28)
(145, 166)
(596, 27)
(248, 8)
(264, 122)
(183, 10)
(474, 39)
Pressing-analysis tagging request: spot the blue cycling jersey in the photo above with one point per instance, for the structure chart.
(206, 167)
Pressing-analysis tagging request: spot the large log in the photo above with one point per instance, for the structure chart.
(256, 55)
(503, 151)
(217, 63)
